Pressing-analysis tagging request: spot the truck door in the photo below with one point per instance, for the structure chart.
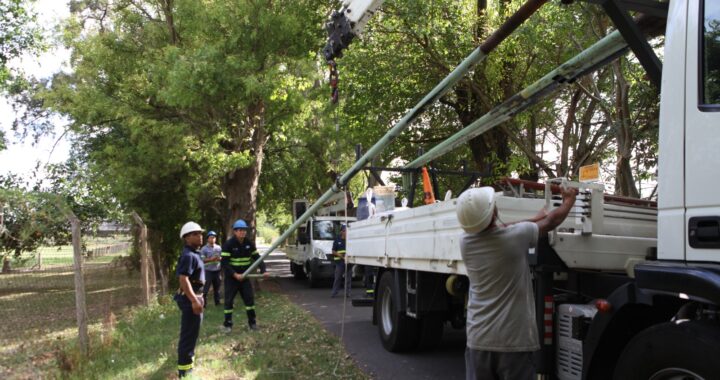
(702, 131)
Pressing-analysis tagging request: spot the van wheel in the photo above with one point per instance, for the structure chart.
(397, 330)
(311, 276)
(297, 271)
(672, 351)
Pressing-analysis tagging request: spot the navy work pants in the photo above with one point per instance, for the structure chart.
(232, 287)
(212, 278)
(340, 271)
(189, 331)
(369, 280)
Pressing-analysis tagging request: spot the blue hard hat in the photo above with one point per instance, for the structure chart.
(239, 224)
(211, 233)
(343, 227)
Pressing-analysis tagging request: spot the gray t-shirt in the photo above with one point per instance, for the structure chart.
(501, 309)
(207, 252)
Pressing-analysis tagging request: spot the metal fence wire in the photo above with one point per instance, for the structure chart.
(38, 300)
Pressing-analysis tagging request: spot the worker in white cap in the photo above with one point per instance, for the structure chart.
(501, 329)
(191, 276)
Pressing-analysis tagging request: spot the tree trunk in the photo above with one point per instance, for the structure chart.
(6, 264)
(155, 240)
(240, 185)
(624, 182)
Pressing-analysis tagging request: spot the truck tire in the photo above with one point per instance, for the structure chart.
(398, 332)
(311, 275)
(297, 271)
(672, 351)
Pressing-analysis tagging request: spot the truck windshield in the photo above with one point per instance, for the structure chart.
(325, 229)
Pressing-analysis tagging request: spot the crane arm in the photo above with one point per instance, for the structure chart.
(347, 23)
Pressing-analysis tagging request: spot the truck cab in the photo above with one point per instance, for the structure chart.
(689, 135)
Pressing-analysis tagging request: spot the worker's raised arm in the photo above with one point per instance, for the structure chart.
(555, 217)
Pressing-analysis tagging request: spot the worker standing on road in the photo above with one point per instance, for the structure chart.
(501, 327)
(210, 254)
(191, 275)
(338, 251)
(369, 281)
(238, 253)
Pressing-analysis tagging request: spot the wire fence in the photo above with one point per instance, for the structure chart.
(38, 300)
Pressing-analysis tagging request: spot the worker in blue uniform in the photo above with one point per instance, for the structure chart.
(238, 253)
(189, 297)
(341, 269)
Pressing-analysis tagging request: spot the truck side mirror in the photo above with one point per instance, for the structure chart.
(303, 237)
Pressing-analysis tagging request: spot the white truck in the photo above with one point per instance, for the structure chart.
(310, 250)
(624, 289)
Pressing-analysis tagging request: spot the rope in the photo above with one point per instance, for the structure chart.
(345, 292)
(336, 161)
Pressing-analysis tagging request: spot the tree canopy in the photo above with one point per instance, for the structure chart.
(213, 111)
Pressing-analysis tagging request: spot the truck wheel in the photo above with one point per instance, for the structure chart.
(297, 271)
(311, 276)
(672, 351)
(397, 330)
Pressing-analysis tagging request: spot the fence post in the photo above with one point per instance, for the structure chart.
(80, 308)
(144, 272)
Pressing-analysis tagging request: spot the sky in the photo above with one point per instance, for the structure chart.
(21, 157)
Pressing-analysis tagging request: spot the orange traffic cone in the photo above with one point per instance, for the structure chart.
(427, 187)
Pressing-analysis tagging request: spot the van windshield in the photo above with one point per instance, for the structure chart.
(326, 229)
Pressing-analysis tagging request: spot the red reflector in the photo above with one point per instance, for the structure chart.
(603, 306)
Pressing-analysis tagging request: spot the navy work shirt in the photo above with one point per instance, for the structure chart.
(237, 256)
(339, 247)
(191, 265)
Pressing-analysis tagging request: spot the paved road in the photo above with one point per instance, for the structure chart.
(360, 336)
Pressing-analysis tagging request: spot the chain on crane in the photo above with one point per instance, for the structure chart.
(334, 95)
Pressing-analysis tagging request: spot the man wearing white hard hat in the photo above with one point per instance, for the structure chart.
(501, 330)
(191, 275)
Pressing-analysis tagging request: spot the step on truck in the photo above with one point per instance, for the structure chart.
(310, 248)
(624, 289)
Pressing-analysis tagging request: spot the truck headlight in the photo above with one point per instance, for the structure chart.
(317, 252)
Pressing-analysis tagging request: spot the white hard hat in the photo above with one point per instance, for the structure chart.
(188, 228)
(475, 208)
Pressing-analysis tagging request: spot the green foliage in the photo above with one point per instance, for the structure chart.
(266, 232)
(411, 46)
(18, 34)
(168, 103)
(711, 66)
(30, 219)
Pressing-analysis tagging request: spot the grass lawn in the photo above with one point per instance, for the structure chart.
(63, 255)
(290, 344)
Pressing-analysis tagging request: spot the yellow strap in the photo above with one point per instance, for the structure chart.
(185, 367)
